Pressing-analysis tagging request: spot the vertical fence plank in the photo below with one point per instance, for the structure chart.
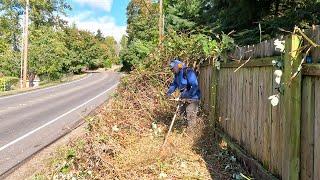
(317, 132)
(241, 104)
(292, 111)
(244, 109)
(214, 107)
(231, 106)
(307, 128)
(276, 144)
(255, 109)
(228, 98)
(237, 96)
(221, 99)
(251, 105)
(267, 122)
(225, 99)
(261, 97)
(248, 108)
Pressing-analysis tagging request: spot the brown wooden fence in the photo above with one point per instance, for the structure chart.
(285, 139)
(310, 127)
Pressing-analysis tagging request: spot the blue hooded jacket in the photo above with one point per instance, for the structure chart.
(186, 81)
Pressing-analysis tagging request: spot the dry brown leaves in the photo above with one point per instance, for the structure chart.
(123, 140)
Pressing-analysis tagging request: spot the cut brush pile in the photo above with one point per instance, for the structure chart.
(123, 141)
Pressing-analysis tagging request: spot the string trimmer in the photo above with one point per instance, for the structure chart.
(172, 122)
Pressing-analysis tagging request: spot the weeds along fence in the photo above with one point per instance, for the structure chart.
(284, 139)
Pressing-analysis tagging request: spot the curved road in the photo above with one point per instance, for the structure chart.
(30, 121)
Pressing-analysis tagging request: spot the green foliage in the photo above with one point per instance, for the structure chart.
(182, 15)
(107, 63)
(111, 47)
(142, 32)
(54, 49)
(47, 52)
(195, 48)
(10, 63)
(6, 83)
(243, 16)
(184, 38)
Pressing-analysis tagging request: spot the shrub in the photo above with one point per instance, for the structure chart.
(6, 83)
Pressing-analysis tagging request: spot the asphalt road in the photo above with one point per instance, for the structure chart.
(30, 121)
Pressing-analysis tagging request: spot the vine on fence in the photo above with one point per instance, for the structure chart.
(279, 65)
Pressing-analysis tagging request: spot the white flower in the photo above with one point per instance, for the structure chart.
(274, 62)
(278, 73)
(115, 128)
(278, 80)
(274, 99)
(279, 45)
(154, 126)
(163, 175)
(217, 64)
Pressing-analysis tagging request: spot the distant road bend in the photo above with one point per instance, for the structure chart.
(30, 121)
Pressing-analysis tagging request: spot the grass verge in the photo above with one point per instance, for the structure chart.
(44, 85)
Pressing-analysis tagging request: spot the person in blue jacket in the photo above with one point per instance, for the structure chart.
(185, 80)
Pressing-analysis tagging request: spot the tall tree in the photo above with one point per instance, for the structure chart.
(99, 35)
(142, 32)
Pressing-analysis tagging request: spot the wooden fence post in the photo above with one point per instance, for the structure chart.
(213, 97)
(292, 110)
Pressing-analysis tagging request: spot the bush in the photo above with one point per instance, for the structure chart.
(107, 64)
(6, 83)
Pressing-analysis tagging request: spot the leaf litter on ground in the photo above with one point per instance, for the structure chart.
(123, 140)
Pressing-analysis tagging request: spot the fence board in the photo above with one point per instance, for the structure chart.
(269, 89)
(223, 101)
(241, 104)
(233, 107)
(317, 132)
(248, 109)
(255, 96)
(261, 106)
(236, 96)
(251, 111)
(276, 143)
(230, 97)
(307, 128)
(244, 109)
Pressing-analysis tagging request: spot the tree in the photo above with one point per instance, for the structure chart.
(99, 35)
(47, 52)
(142, 32)
(243, 16)
(123, 42)
(110, 45)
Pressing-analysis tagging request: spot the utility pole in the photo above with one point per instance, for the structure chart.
(161, 22)
(21, 59)
(25, 48)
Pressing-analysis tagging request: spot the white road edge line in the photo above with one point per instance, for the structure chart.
(41, 89)
(54, 120)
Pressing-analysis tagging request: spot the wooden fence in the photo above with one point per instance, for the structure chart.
(284, 138)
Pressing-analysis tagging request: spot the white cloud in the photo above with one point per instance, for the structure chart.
(100, 4)
(106, 24)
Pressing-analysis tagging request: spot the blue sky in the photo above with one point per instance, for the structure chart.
(107, 15)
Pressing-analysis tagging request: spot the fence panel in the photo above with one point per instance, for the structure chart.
(205, 84)
(245, 112)
(283, 138)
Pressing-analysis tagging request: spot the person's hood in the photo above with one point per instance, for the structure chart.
(177, 64)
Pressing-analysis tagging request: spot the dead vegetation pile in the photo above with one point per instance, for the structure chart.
(123, 140)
